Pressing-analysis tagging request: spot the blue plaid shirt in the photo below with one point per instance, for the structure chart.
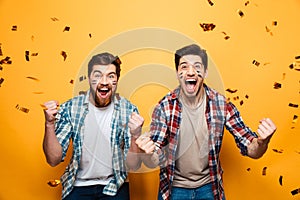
(165, 129)
(70, 126)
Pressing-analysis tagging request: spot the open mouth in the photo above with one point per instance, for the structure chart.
(190, 84)
(103, 92)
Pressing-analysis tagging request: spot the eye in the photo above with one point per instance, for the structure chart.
(198, 66)
(183, 66)
(112, 76)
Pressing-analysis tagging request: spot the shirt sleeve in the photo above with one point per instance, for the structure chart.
(242, 134)
(63, 129)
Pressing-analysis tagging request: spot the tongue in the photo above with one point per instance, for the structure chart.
(190, 87)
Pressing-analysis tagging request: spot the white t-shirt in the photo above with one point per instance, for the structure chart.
(96, 159)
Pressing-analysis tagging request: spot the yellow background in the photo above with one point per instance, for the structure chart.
(24, 172)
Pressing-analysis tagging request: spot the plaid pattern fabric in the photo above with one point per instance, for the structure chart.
(70, 126)
(165, 125)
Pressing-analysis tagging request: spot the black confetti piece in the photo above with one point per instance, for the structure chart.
(241, 102)
(54, 19)
(27, 55)
(296, 191)
(255, 63)
(274, 23)
(293, 105)
(71, 81)
(90, 35)
(207, 26)
(231, 90)
(1, 81)
(278, 150)
(280, 180)
(295, 119)
(25, 110)
(277, 85)
(210, 2)
(264, 171)
(67, 28)
(14, 28)
(82, 78)
(247, 3)
(32, 78)
(241, 14)
(64, 55)
(1, 54)
(297, 57)
(248, 169)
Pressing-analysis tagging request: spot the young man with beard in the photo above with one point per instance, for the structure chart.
(102, 125)
(187, 129)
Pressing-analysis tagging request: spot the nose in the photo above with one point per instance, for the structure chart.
(103, 80)
(191, 70)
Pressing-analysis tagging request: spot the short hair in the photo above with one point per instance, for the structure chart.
(105, 59)
(192, 49)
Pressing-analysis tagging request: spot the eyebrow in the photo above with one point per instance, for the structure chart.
(102, 73)
(185, 62)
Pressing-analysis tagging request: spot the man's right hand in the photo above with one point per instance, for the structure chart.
(50, 110)
(145, 143)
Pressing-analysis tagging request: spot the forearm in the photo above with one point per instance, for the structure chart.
(133, 160)
(150, 160)
(257, 148)
(51, 146)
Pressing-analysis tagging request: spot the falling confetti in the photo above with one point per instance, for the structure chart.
(27, 55)
(71, 81)
(67, 28)
(241, 14)
(274, 23)
(247, 3)
(54, 183)
(231, 91)
(6, 60)
(90, 35)
(278, 150)
(297, 57)
(277, 85)
(295, 119)
(207, 26)
(32, 78)
(296, 191)
(280, 180)
(1, 81)
(241, 102)
(256, 63)
(248, 169)
(236, 98)
(246, 96)
(82, 78)
(25, 110)
(34, 54)
(54, 19)
(293, 105)
(210, 2)
(38, 92)
(283, 76)
(1, 54)
(14, 28)
(226, 37)
(64, 54)
(264, 171)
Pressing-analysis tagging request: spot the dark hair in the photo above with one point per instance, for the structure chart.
(192, 49)
(105, 59)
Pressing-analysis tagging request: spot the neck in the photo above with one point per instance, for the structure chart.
(193, 102)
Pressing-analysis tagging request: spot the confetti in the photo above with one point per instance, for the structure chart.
(34, 54)
(240, 13)
(277, 85)
(82, 78)
(64, 54)
(38, 92)
(280, 180)
(54, 183)
(283, 76)
(1, 81)
(255, 63)
(14, 28)
(264, 171)
(32, 37)
(297, 57)
(236, 98)
(247, 3)
(90, 35)
(226, 36)
(207, 26)
(67, 28)
(241, 102)
(27, 55)
(71, 81)
(1, 54)
(267, 63)
(278, 151)
(6, 61)
(291, 66)
(274, 23)
(246, 96)
(267, 29)
(54, 19)
(248, 169)
(25, 110)
(231, 91)
(295, 119)
(32, 78)
(210, 2)
(296, 191)
(293, 105)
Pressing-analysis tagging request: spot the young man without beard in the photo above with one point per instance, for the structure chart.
(187, 129)
(102, 125)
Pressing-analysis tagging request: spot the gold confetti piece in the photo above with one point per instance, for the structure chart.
(71, 81)
(1, 81)
(14, 28)
(295, 119)
(278, 150)
(280, 180)
(38, 92)
(247, 3)
(231, 91)
(54, 183)
(264, 171)
(1, 54)
(283, 76)
(255, 63)
(207, 26)
(293, 105)
(267, 29)
(25, 110)
(32, 37)
(210, 2)
(34, 54)
(54, 19)
(267, 63)
(32, 78)
(64, 54)
(277, 85)
(27, 55)
(241, 14)
(82, 78)
(67, 28)
(296, 191)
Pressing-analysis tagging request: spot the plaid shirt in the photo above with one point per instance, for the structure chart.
(219, 113)
(70, 126)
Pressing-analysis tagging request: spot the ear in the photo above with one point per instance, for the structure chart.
(206, 73)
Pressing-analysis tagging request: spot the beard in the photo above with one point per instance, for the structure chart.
(100, 98)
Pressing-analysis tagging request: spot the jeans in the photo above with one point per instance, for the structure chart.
(94, 192)
(201, 193)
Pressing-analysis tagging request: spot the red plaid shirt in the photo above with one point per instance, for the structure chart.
(219, 113)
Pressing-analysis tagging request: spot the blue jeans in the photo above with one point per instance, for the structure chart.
(94, 192)
(201, 193)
